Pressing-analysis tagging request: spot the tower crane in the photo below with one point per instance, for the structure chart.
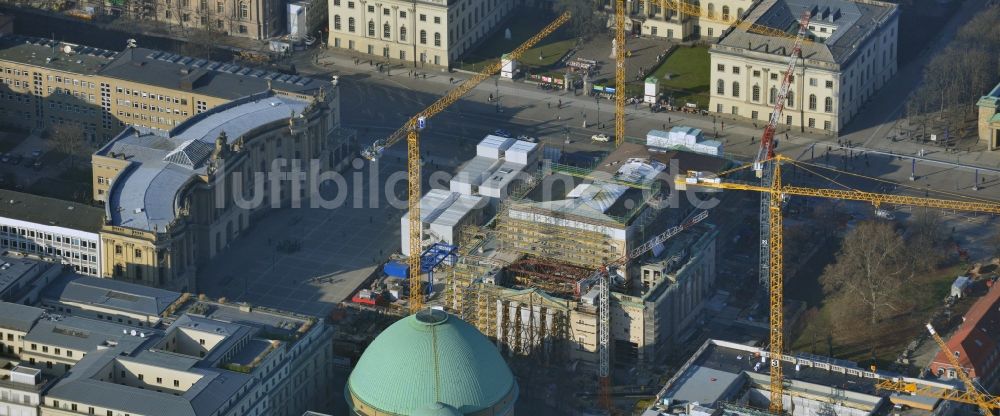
(680, 6)
(775, 194)
(619, 72)
(604, 302)
(411, 129)
(972, 395)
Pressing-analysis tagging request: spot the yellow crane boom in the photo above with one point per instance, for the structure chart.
(970, 386)
(924, 390)
(683, 7)
(777, 191)
(410, 130)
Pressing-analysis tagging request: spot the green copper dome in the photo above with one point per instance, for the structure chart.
(432, 361)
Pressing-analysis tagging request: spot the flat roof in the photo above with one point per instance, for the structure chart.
(18, 317)
(855, 22)
(161, 163)
(216, 79)
(110, 294)
(50, 211)
(12, 269)
(704, 385)
(85, 334)
(60, 56)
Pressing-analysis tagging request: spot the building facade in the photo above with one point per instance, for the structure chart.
(434, 32)
(52, 228)
(21, 389)
(989, 119)
(975, 343)
(44, 84)
(851, 54)
(254, 19)
(702, 20)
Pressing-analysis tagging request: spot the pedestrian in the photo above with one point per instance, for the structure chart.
(752, 139)
(548, 105)
(723, 125)
(670, 120)
(786, 136)
(425, 75)
(560, 103)
(451, 80)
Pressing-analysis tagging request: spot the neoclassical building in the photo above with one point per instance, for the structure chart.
(170, 205)
(651, 18)
(434, 32)
(851, 54)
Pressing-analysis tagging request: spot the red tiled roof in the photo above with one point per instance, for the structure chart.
(977, 337)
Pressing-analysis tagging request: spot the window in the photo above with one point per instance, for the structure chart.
(244, 10)
(812, 123)
(829, 84)
(736, 89)
(385, 12)
(813, 82)
(118, 249)
(177, 383)
(773, 95)
(350, 5)
(138, 253)
(437, 19)
(812, 102)
(371, 28)
(350, 25)
(402, 14)
(754, 114)
(826, 125)
(720, 68)
(423, 17)
(385, 30)
(402, 35)
(336, 22)
(790, 99)
(756, 74)
(423, 37)
(371, 9)
(774, 75)
(159, 380)
(788, 120)
(828, 105)
(437, 38)
(756, 93)
(725, 13)
(736, 70)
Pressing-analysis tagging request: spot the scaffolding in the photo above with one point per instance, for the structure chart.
(563, 244)
(552, 277)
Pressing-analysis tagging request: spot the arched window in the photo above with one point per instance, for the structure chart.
(725, 12)
(336, 22)
(371, 28)
(828, 105)
(790, 99)
(736, 89)
(756, 93)
(385, 30)
(350, 24)
(711, 10)
(402, 33)
(739, 13)
(774, 95)
(423, 37)
(437, 38)
(720, 87)
(812, 101)
(244, 10)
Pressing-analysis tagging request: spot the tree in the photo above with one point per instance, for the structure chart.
(926, 239)
(586, 21)
(69, 139)
(867, 276)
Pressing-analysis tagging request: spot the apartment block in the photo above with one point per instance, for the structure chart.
(51, 228)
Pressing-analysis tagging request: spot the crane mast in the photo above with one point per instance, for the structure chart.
(981, 400)
(411, 129)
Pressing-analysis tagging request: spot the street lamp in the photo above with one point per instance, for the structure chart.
(598, 101)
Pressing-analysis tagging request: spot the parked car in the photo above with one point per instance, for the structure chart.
(37, 164)
(5, 157)
(16, 159)
(36, 154)
(502, 133)
(600, 137)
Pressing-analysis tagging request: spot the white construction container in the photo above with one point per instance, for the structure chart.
(522, 152)
(494, 146)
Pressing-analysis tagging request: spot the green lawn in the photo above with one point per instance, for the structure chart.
(550, 49)
(688, 67)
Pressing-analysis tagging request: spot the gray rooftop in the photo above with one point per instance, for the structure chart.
(50, 211)
(704, 385)
(84, 334)
(111, 294)
(216, 79)
(60, 56)
(18, 317)
(14, 269)
(855, 21)
(143, 195)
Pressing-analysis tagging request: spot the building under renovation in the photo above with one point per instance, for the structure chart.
(530, 282)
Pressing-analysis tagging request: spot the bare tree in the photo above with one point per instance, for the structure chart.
(587, 20)
(866, 279)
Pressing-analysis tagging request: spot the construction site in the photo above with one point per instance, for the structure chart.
(602, 268)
